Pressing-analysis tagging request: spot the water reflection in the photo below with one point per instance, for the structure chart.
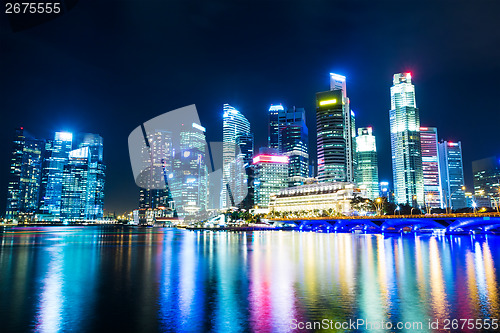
(150, 280)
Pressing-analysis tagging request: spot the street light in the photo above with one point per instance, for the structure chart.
(397, 209)
(378, 205)
(428, 203)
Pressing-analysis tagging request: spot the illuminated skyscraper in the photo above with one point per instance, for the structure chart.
(160, 146)
(189, 182)
(430, 167)
(487, 179)
(82, 195)
(294, 139)
(246, 144)
(271, 175)
(405, 142)
(275, 113)
(57, 157)
(452, 174)
(234, 124)
(23, 191)
(335, 131)
(367, 165)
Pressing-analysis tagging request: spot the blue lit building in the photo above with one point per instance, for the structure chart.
(56, 157)
(82, 196)
(294, 145)
(288, 134)
(189, 182)
(234, 125)
(275, 113)
(23, 192)
(50, 181)
(452, 175)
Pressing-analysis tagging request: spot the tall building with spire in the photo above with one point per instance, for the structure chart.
(405, 142)
(335, 132)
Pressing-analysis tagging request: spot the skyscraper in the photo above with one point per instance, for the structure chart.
(155, 195)
(452, 175)
(367, 164)
(245, 143)
(275, 113)
(189, 183)
(405, 142)
(82, 195)
(294, 139)
(334, 124)
(23, 191)
(487, 178)
(430, 167)
(271, 175)
(52, 176)
(234, 124)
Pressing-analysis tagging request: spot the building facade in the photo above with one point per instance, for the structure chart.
(367, 163)
(50, 181)
(82, 196)
(486, 174)
(273, 138)
(271, 175)
(405, 142)
(234, 125)
(430, 167)
(189, 180)
(322, 196)
(452, 175)
(334, 126)
(57, 156)
(24, 184)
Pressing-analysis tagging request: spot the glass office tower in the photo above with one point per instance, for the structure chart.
(275, 113)
(430, 167)
(405, 142)
(367, 164)
(189, 183)
(52, 177)
(82, 195)
(234, 124)
(334, 125)
(23, 191)
(452, 175)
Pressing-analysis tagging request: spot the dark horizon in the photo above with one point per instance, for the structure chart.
(105, 68)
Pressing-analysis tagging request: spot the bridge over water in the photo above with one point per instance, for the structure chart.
(449, 223)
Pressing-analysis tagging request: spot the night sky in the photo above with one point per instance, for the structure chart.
(107, 66)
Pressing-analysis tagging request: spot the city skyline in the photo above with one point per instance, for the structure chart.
(337, 82)
(98, 85)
